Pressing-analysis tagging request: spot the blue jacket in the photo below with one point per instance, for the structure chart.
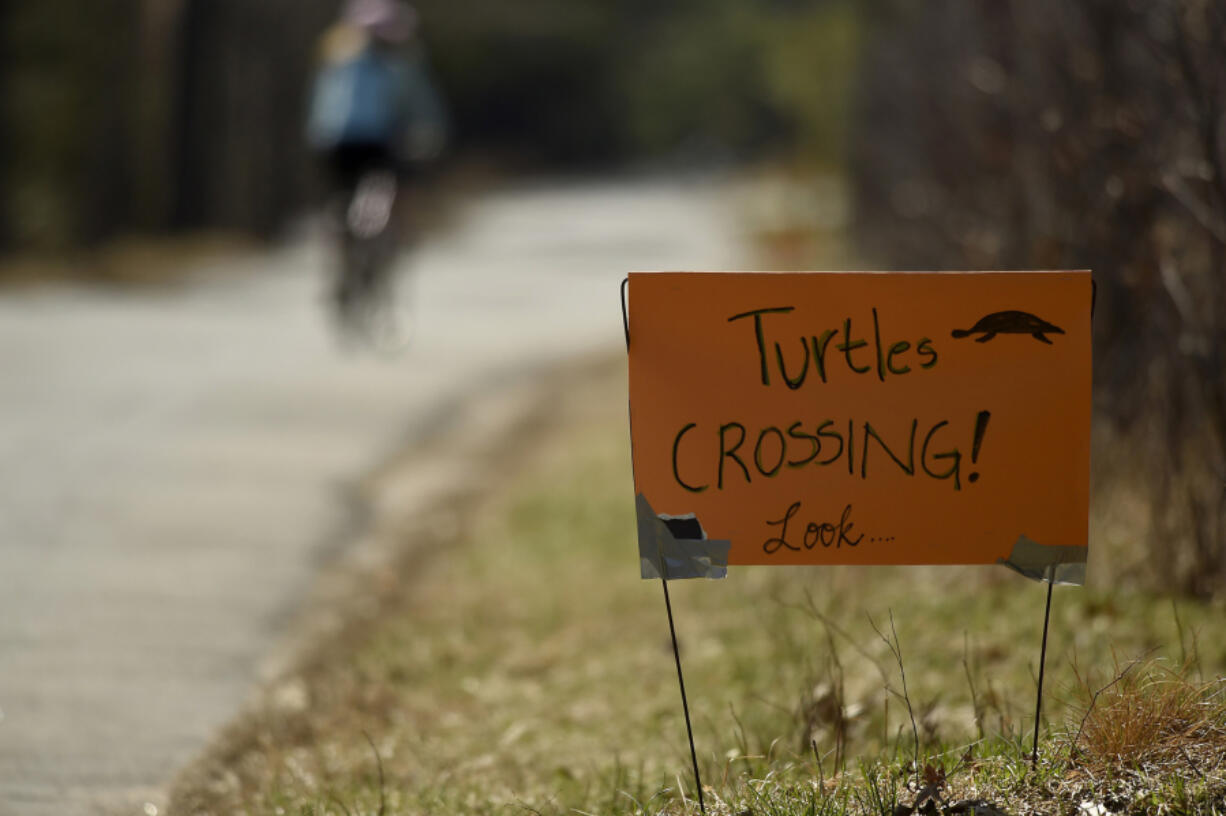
(376, 96)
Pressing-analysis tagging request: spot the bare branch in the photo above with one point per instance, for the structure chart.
(1094, 698)
(896, 648)
(379, 763)
(1204, 214)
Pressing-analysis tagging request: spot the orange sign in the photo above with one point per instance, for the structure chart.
(860, 418)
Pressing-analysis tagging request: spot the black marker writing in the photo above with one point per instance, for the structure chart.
(824, 533)
(731, 454)
(792, 350)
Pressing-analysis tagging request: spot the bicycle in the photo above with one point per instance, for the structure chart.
(363, 297)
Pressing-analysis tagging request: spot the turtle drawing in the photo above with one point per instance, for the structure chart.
(1010, 322)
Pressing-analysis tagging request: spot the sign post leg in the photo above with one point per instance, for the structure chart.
(1038, 704)
(685, 706)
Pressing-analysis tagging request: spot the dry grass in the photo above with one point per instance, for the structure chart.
(140, 261)
(524, 667)
(1153, 717)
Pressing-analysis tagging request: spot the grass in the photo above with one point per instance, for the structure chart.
(525, 668)
(138, 261)
(1153, 717)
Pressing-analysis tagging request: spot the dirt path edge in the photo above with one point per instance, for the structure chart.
(412, 507)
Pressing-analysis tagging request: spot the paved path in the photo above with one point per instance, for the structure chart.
(174, 461)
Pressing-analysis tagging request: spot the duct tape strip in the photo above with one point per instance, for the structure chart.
(1055, 564)
(677, 546)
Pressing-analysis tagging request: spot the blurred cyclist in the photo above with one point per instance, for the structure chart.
(374, 113)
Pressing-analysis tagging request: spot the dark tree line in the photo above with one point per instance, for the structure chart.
(155, 115)
(1075, 134)
(237, 111)
(151, 115)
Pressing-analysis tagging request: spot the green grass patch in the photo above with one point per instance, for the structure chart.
(527, 669)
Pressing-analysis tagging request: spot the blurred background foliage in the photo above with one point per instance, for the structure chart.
(1089, 134)
(972, 134)
(154, 115)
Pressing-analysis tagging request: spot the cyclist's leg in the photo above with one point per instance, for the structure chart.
(344, 165)
(373, 220)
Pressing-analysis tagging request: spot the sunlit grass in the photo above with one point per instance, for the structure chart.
(529, 669)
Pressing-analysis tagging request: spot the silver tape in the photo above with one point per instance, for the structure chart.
(677, 547)
(1063, 565)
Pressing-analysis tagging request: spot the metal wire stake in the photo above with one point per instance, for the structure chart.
(1038, 704)
(685, 706)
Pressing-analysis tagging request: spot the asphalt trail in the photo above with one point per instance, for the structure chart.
(175, 460)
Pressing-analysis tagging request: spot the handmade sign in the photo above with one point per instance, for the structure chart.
(861, 418)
